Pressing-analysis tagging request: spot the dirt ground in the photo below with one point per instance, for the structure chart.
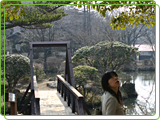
(43, 85)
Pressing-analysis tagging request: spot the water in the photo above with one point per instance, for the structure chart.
(144, 103)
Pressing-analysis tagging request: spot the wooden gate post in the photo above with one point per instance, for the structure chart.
(13, 108)
(11, 97)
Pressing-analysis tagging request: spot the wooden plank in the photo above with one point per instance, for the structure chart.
(73, 104)
(31, 65)
(71, 88)
(37, 106)
(32, 82)
(37, 97)
(49, 44)
(19, 105)
(33, 106)
(36, 87)
(26, 103)
(68, 98)
(62, 93)
(54, 105)
(58, 86)
(65, 93)
(67, 72)
(70, 65)
(80, 106)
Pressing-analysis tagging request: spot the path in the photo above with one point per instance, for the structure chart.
(51, 103)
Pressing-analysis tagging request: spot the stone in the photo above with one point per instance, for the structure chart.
(123, 93)
(52, 84)
(52, 79)
(129, 89)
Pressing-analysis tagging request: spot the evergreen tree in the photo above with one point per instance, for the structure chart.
(32, 16)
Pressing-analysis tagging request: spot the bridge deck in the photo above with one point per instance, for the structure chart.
(51, 103)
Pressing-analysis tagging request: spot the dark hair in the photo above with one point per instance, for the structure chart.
(105, 85)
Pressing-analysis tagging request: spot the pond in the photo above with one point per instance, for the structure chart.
(144, 103)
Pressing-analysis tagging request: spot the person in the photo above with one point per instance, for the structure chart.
(111, 99)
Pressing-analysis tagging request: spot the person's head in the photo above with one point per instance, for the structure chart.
(109, 81)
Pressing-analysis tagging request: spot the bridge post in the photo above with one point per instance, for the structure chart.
(37, 106)
(32, 83)
(73, 103)
(69, 62)
(68, 97)
(58, 85)
(32, 103)
(65, 93)
(80, 106)
(61, 88)
(69, 74)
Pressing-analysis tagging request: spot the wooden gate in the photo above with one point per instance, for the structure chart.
(68, 67)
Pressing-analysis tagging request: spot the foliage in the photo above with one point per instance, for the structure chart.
(39, 15)
(38, 71)
(83, 75)
(105, 55)
(82, 55)
(136, 12)
(53, 64)
(16, 67)
(93, 99)
(12, 11)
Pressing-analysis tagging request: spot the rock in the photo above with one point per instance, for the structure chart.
(123, 93)
(52, 79)
(52, 84)
(129, 88)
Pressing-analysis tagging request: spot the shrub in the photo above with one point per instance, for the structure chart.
(16, 67)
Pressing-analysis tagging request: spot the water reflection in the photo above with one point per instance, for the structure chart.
(144, 104)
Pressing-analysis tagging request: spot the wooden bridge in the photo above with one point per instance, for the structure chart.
(66, 100)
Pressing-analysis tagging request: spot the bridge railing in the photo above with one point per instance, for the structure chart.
(36, 97)
(33, 98)
(74, 99)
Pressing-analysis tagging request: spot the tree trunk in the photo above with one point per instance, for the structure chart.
(45, 60)
(84, 91)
